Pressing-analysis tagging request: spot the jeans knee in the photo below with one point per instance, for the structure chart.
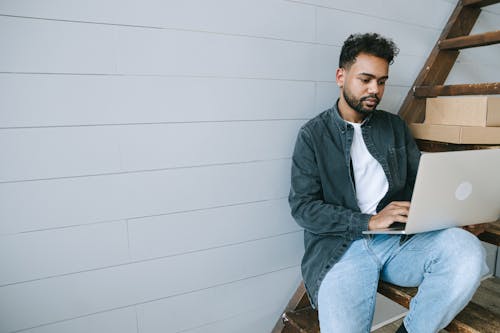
(465, 255)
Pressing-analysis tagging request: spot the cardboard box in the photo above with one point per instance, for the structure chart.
(463, 111)
(456, 134)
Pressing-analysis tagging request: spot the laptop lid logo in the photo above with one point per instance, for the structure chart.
(463, 190)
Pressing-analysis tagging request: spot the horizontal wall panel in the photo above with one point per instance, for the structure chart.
(492, 9)
(411, 40)
(41, 153)
(58, 152)
(487, 20)
(51, 100)
(65, 47)
(199, 309)
(472, 73)
(65, 100)
(192, 231)
(249, 17)
(327, 94)
(166, 52)
(40, 302)
(30, 45)
(259, 320)
(486, 56)
(326, 62)
(415, 13)
(74, 201)
(59, 203)
(194, 188)
(47, 253)
(177, 145)
(121, 320)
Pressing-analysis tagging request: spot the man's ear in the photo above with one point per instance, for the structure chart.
(340, 77)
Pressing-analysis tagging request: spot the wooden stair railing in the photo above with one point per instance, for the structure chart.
(455, 36)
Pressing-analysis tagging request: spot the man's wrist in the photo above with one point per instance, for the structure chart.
(371, 222)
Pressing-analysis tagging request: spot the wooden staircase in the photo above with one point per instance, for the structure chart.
(455, 36)
(482, 314)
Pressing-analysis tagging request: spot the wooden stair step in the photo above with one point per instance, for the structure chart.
(436, 146)
(488, 295)
(400, 295)
(482, 314)
(491, 234)
(304, 320)
(479, 3)
(465, 42)
(490, 88)
(289, 329)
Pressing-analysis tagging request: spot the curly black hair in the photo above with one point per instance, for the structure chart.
(370, 43)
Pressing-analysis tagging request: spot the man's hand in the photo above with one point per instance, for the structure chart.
(396, 211)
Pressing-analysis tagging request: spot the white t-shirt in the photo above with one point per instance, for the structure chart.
(370, 179)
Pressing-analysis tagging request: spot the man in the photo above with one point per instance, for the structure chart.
(354, 169)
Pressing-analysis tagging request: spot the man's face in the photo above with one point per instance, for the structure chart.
(362, 84)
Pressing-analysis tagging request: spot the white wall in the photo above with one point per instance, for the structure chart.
(146, 148)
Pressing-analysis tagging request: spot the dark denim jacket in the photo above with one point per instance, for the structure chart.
(322, 195)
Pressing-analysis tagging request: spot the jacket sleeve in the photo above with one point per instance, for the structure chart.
(307, 204)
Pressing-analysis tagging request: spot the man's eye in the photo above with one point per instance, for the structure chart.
(382, 83)
(365, 80)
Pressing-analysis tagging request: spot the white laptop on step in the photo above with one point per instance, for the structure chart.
(452, 189)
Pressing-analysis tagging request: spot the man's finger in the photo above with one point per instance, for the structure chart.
(399, 211)
(401, 203)
(400, 218)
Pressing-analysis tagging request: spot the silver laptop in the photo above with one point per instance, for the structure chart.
(453, 189)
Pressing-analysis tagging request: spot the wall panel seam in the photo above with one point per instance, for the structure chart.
(134, 262)
(128, 172)
(364, 14)
(145, 216)
(159, 299)
(220, 33)
(11, 128)
(223, 77)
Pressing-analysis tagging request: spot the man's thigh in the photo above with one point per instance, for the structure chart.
(416, 257)
(346, 298)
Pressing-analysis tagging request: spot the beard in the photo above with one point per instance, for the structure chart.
(357, 104)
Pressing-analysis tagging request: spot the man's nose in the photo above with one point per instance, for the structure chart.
(373, 87)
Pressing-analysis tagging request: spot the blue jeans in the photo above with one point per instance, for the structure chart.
(446, 265)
